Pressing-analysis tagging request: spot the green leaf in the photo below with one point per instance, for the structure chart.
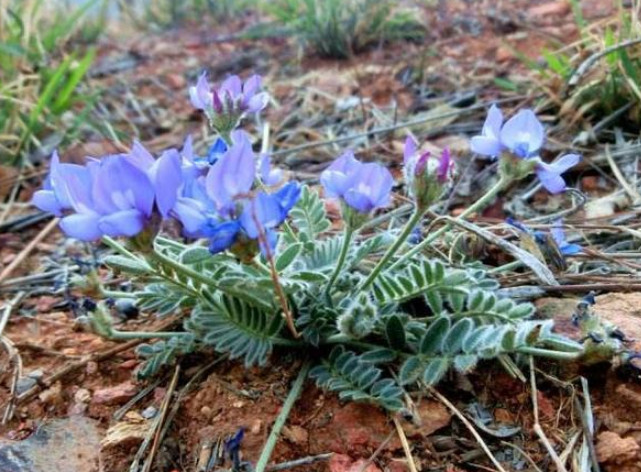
(434, 370)
(378, 356)
(410, 371)
(432, 340)
(395, 333)
(288, 256)
(129, 265)
(455, 338)
(194, 255)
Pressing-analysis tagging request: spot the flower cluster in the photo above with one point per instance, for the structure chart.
(522, 136)
(222, 203)
(223, 196)
(227, 104)
(118, 195)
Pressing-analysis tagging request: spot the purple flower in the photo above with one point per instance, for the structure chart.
(258, 220)
(364, 187)
(232, 175)
(425, 178)
(488, 143)
(55, 196)
(550, 174)
(115, 196)
(566, 248)
(265, 212)
(226, 104)
(523, 135)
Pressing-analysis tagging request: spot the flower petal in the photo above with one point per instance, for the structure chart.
(201, 96)
(493, 122)
(485, 146)
(250, 87)
(123, 223)
(167, 178)
(552, 181)
(409, 150)
(523, 134)
(222, 235)
(257, 103)
(46, 200)
(569, 249)
(191, 215)
(82, 226)
(232, 85)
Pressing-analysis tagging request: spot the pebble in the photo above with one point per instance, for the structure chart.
(149, 412)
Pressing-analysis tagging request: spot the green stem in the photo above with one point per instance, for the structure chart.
(407, 230)
(558, 355)
(293, 395)
(116, 246)
(192, 274)
(478, 205)
(122, 335)
(347, 239)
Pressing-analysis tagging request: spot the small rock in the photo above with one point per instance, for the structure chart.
(129, 364)
(344, 463)
(256, 426)
(614, 449)
(82, 395)
(52, 396)
(80, 402)
(433, 416)
(113, 395)
(558, 8)
(24, 384)
(149, 412)
(296, 434)
(91, 368)
(125, 434)
(69, 444)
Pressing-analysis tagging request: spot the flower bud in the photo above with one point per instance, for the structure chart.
(426, 178)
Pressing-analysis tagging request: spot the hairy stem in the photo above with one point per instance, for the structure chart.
(347, 239)
(293, 395)
(478, 205)
(407, 230)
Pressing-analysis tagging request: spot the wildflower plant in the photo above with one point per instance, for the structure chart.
(267, 271)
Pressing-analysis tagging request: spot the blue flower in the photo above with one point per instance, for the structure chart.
(233, 175)
(117, 195)
(227, 104)
(265, 212)
(550, 174)
(566, 248)
(364, 187)
(522, 135)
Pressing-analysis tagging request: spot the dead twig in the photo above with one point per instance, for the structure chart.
(161, 419)
(406, 446)
(537, 426)
(469, 426)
